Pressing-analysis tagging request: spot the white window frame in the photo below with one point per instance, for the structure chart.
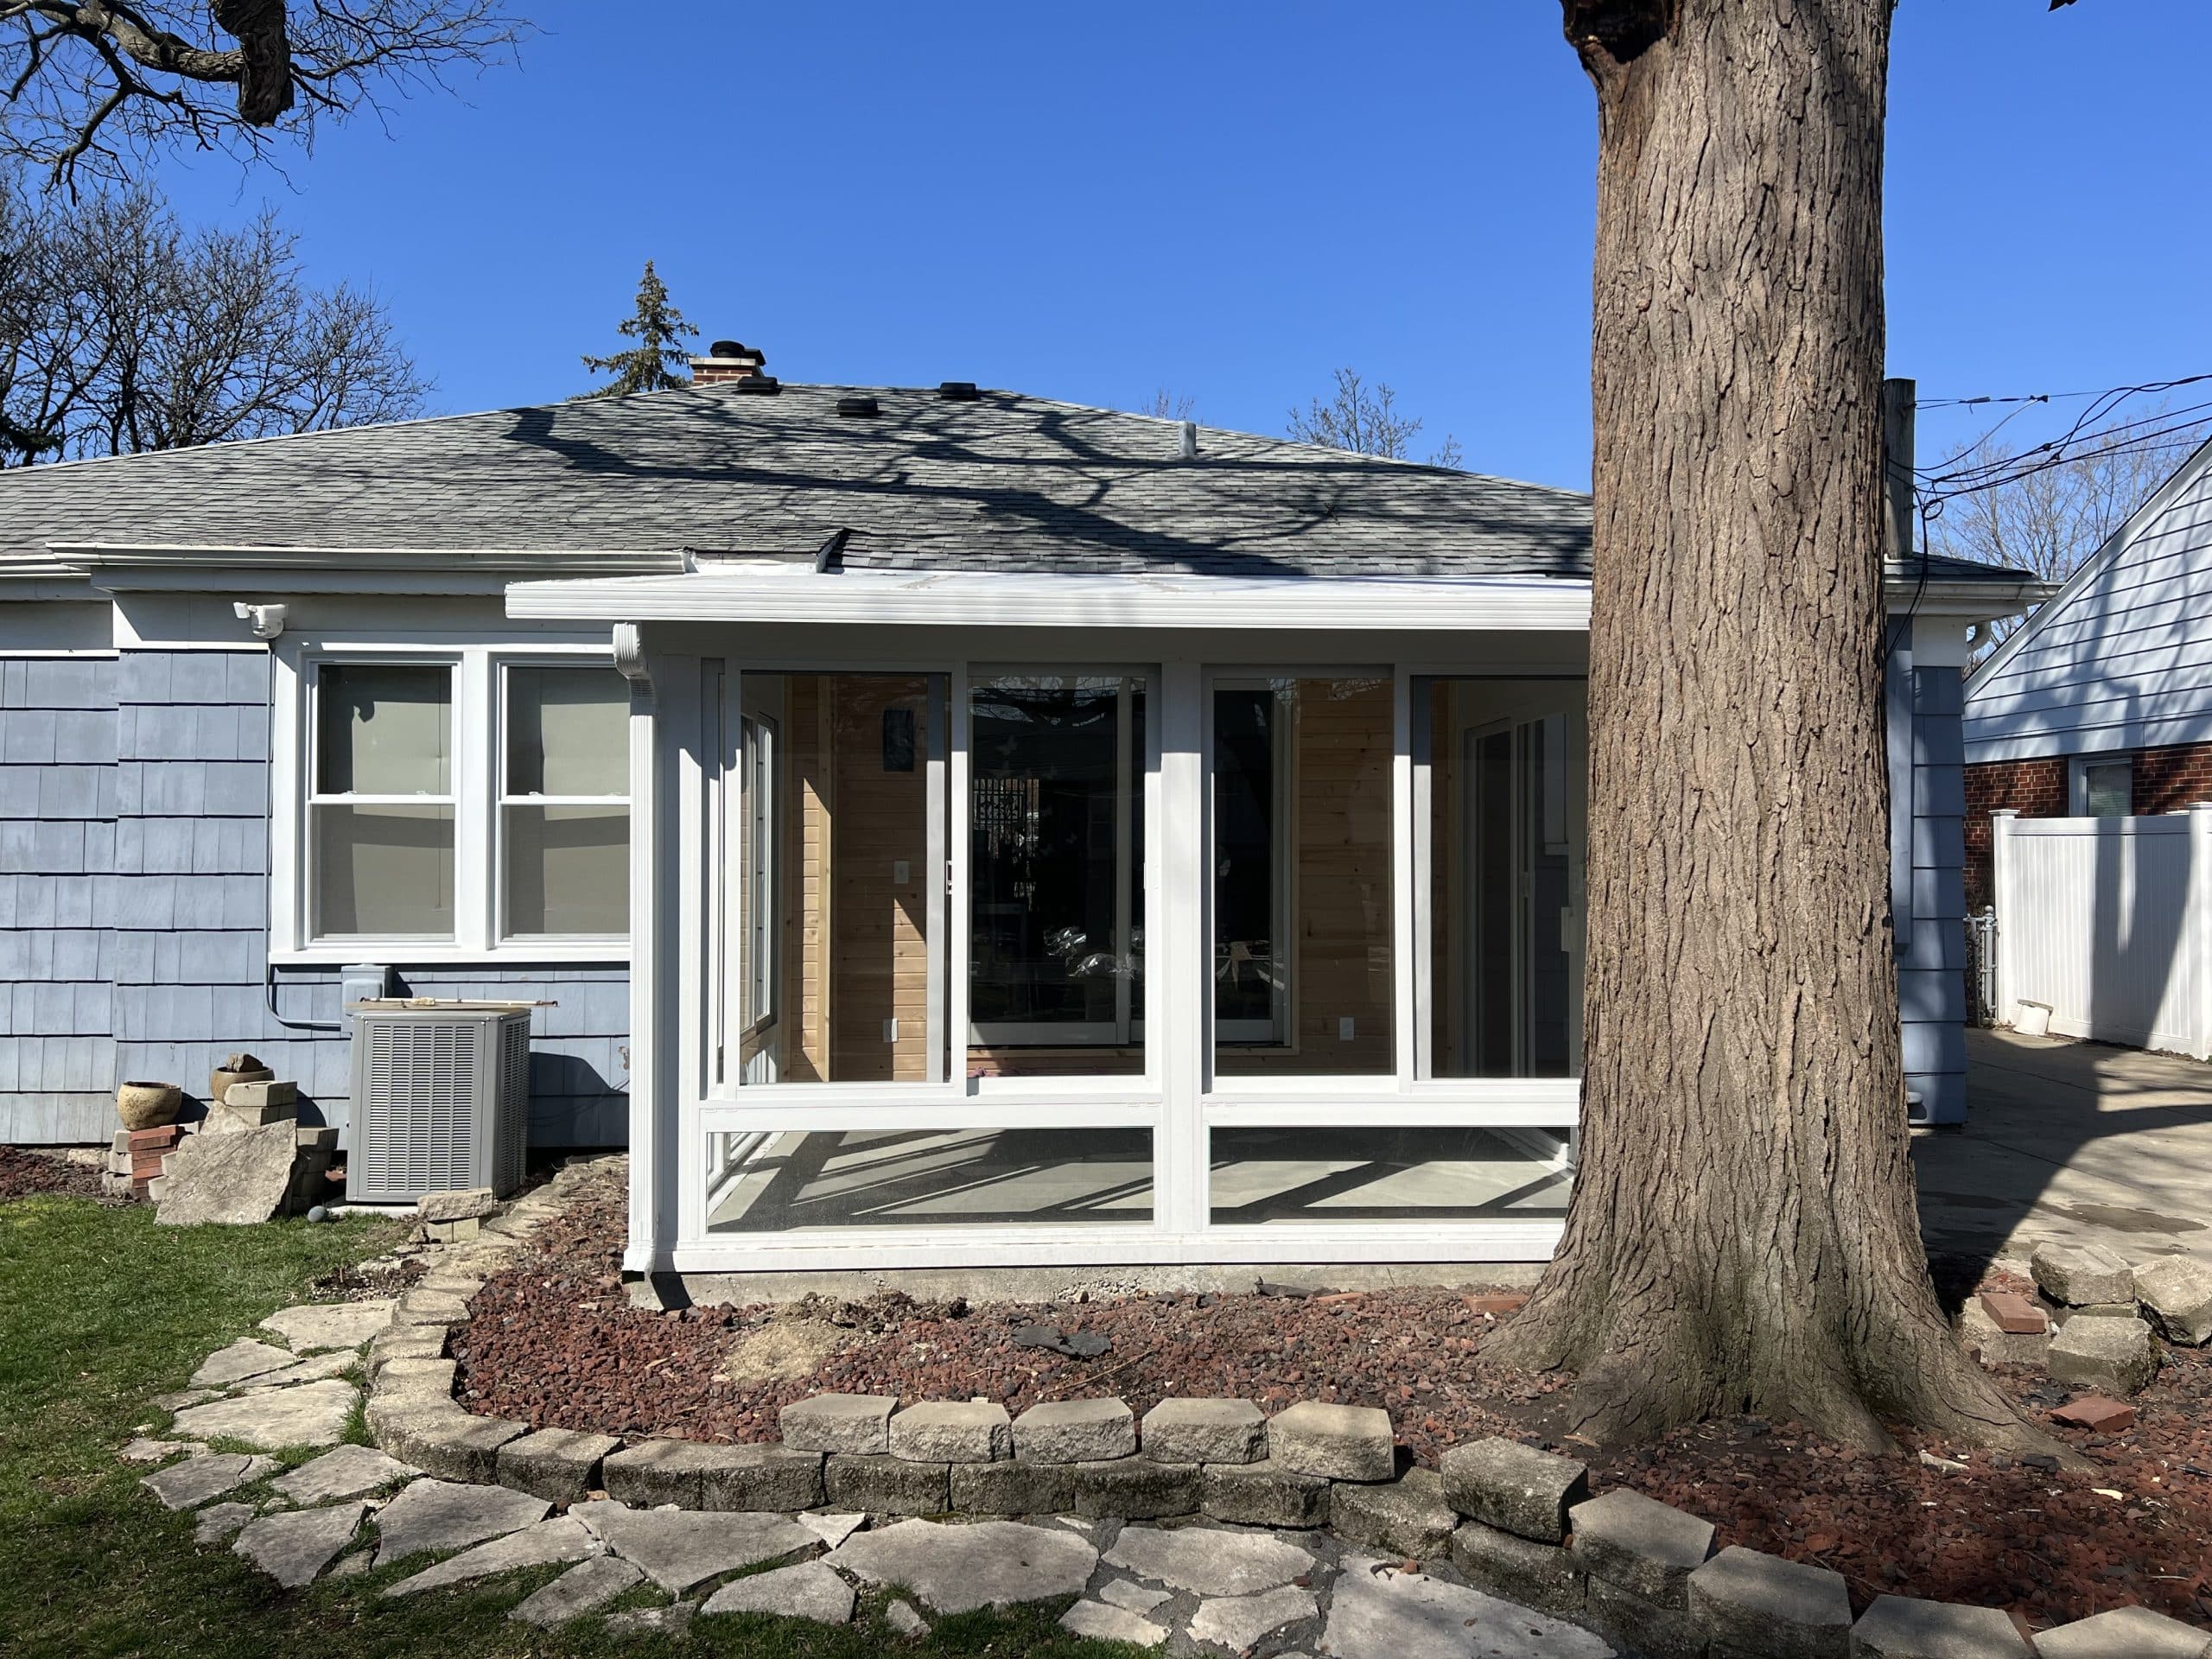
(501, 666)
(477, 783)
(2078, 768)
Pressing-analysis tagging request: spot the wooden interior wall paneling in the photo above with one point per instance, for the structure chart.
(880, 966)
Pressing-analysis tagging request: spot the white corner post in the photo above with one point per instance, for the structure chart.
(2197, 927)
(2001, 896)
(1180, 957)
(653, 1151)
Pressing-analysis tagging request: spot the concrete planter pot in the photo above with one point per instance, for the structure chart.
(220, 1079)
(147, 1105)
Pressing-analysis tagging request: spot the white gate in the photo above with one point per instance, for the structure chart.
(2107, 923)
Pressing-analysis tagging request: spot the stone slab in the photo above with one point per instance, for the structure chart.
(233, 1179)
(1204, 1430)
(295, 1546)
(2115, 1356)
(544, 1544)
(561, 1465)
(956, 1569)
(342, 1471)
(810, 1589)
(1342, 1442)
(1208, 1560)
(228, 1367)
(189, 1484)
(905, 1621)
(831, 1529)
(1407, 1516)
(1014, 1487)
(460, 1203)
(220, 1522)
(2075, 1275)
(1517, 1488)
(2135, 1632)
(1127, 1592)
(1642, 1545)
(444, 1515)
(2175, 1292)
(313, 1369)
(1765, 1605)
(952, 1431)
(1135, 1488)
(856, 1423)
(1102, 1622)
(1076, 1430)
(1238, 1623)
(671, 1621)
(886, 1485)
(1376, 1610)
(1902, 1627)
(314, 1327)
(680, 1550)
(312, 1414)
(142, 1450)
(582, 1589)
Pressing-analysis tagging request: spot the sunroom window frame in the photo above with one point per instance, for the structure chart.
(476, 784)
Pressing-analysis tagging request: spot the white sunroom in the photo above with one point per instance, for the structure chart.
(1048, 918)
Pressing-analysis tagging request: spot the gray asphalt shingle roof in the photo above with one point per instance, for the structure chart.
(1007, 482)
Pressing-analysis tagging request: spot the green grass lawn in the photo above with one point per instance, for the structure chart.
(99, 1311)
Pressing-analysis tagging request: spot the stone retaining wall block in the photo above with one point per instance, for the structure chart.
(1630, 1622)
(1516, 1488)
(1342, 1442)
(2077, 1275)
(1762, 1604)
(855, 1423)
(1902, 1627)
(652, 1472)
(2175, 1292)
(459, 1203)
(1978, 1330)
(1075, 1431)
(1543, 1576)
(751, 1479)
(1264, 1494)
(1407, 1516)
(2135, 1632)
(2115, 1356)
(1204, 1430)
(561, 1465)
(882, 1485)
(1640, 1545)
(1135, 1488)
(444, 1440)
(1015, 1486)
(952, 1431)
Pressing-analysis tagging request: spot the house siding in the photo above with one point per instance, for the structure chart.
(1929, 856)
(133, 896)
(2122, 660)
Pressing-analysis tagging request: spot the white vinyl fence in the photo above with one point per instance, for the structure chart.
(2107, 923)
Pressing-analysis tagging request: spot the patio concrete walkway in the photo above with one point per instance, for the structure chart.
(2079, 1142)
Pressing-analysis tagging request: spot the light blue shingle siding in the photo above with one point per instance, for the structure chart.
(133, 900)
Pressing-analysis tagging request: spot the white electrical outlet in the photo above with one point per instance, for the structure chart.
(901, 871)
(1344, 1028)
(890, 1031)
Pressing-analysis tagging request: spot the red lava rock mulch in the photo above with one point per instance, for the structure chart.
(556, 1342)
(25, 1175)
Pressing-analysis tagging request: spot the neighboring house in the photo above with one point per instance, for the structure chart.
(2100, 705)
(950, 827)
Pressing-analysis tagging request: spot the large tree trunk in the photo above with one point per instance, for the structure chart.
(1742, 1235)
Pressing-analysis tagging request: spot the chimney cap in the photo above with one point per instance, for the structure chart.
(736, 348)
(957, 391)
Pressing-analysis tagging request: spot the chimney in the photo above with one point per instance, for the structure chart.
(727, 360)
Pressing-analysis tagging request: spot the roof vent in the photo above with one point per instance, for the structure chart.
(759, 384)
(862, 405)
(1189, 440)
(957, 391)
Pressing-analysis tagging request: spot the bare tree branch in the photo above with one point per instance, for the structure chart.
(123, 331)
(100, 86)
(1364, 419)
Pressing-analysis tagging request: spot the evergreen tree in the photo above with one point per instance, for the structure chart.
(656, 361)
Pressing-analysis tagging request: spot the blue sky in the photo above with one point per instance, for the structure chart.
(1228, 201)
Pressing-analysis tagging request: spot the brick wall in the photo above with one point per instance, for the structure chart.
(2034, 789)
(2173, 778)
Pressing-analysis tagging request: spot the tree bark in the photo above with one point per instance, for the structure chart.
(1742, 1235)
